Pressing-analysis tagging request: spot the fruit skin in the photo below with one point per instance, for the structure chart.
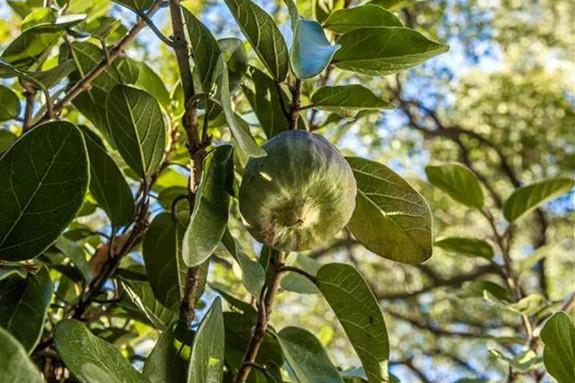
(300, 195)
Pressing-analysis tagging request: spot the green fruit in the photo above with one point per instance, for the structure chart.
(300, 195)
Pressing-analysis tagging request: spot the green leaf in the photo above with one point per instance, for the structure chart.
(530, 305)
(389, 4)
(365, 16)
(458, 182)
(205, 50)
(466, 246)
(357, 310)
(266, 103)
(23, 306)
(153, 84)
(166, 362)
(107, 183)
(391, 218)
(53, 76)
(311, 51)
(236, 59)
(141, 295)
(75, 252)
(253, 274)
(476, 289)
(90, 358)
(10, 106)
(28, 49)
(210, 215)
(264, 36)
(160, 251)
(396, 49)
(348, 99)
(6, 140)
(137, 125)
(138, 5)
(45, 172)
(323, 8)
(307, 357)
(233, 301)
(558, 335)
(14, 363)
(296, 282)
(528, 198)
(207, 359)
(239, 128)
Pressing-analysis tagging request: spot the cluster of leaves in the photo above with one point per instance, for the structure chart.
(72, 289)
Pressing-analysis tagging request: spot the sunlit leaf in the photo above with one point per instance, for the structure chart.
(369, 15)
(264, 36)
(558, 335)
(528, 198)
(391, 218)
(357, 310)
(458, 182)
(384, 50)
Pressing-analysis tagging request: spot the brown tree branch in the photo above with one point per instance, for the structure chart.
(438, 281)
(113, 54)
(265, 303)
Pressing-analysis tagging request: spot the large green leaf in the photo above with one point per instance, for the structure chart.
(458, 182)
(266, 103)
(253, 274)
(107, 183)
(28, 49)
(369, 15)
(391, 218)
(45, 172)
(528, 198)
(384, 50)
(141, 295)
(311, 51)
(307, 357)
(160, 251)
(207, 359)
(205, 50)
(210, 215)
(466, 246)
(14, 363)
(558, 335)
(23, 306)
(264, 36)
(166, 363)
(348, 99)
(356, 308)
(239, 128)
(10, 106)
(90, 358)
(137, 125)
